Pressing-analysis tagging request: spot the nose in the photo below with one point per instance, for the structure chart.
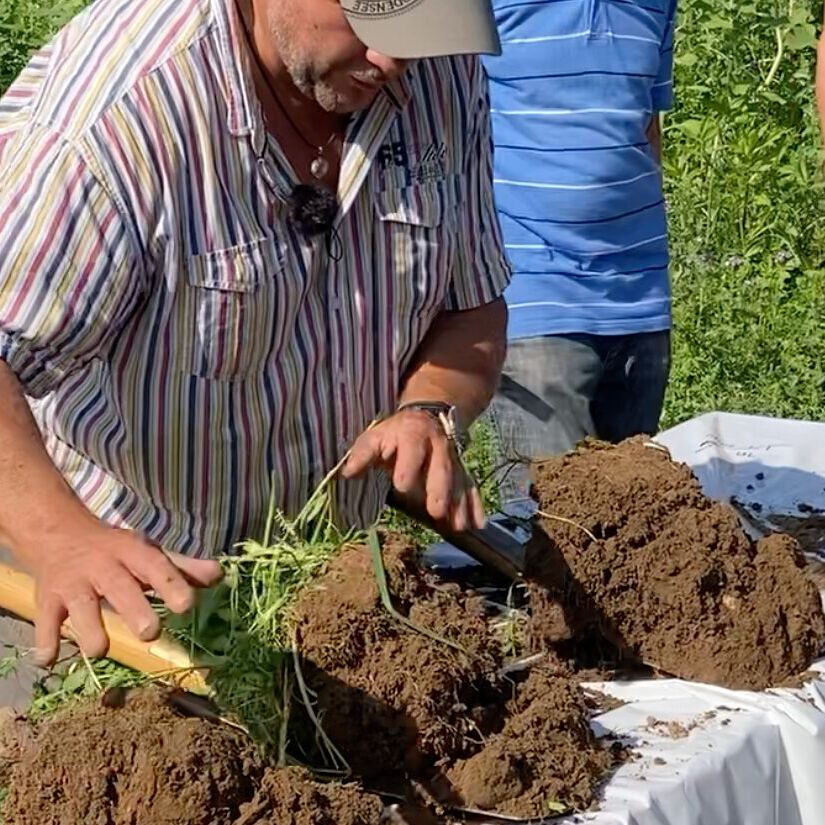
(390, 67)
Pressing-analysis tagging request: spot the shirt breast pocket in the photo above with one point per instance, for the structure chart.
(228, 311)
(417, 232)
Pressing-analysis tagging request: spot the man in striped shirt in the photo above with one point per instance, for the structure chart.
(233, 233)
(576, 96)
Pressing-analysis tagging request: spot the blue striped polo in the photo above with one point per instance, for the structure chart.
(578, 189)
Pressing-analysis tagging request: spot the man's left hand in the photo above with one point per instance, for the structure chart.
(414, 450)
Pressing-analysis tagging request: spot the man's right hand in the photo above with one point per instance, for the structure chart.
(76, 560)
(102, 563)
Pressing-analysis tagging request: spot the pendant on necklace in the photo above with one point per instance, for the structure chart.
(319, 167)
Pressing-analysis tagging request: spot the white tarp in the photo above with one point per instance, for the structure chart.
(739, 758)
(778, 464)
(747, 758)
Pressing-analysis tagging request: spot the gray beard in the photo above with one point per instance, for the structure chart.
(305, 79)
(324, 95)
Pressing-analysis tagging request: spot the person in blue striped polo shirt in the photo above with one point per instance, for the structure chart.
(576, 95)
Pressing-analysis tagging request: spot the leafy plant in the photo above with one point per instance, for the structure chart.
(83, 679)
(745, 193)
(25, 25)
(241, 630)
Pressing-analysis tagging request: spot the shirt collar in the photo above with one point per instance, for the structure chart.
(244, 115)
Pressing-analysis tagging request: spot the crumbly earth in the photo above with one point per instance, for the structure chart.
(394, 699)
(402, 706)
(542, 755)
(16, 736)
(143, 764)
(441, 725)
(292, 797)
(632, 557)
(631, 551)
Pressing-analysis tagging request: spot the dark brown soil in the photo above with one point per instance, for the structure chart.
(16, 736)
(402, 707)
(544, 754)
(143, 763)
(138, 765)
(395, 699)
(634, 553)
(292, 797)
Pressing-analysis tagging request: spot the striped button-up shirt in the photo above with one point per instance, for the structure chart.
(183, 345)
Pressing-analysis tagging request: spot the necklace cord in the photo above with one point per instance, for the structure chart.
(312, 207)
(274, 95)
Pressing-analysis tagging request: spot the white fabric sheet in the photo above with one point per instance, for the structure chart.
(777, 464)
(747, 758)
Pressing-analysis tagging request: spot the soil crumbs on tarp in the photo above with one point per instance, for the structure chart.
(143, 764)
(633, 552)
(402, 707)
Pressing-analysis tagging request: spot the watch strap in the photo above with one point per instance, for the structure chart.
(445, 414)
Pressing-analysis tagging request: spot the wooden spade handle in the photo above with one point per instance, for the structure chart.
(161, 657)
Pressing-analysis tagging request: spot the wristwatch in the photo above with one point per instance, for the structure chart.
(446, 415)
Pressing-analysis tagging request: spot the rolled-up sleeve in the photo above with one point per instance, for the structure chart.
(663, 87)
(69, 278)
(482, 272)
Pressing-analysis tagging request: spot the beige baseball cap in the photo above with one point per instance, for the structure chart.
(408, 29)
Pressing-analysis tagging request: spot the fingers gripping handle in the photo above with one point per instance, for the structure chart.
(163, 657)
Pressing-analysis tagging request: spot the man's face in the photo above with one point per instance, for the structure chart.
(325, 59)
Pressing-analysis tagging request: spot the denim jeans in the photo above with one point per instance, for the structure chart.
(557, 390)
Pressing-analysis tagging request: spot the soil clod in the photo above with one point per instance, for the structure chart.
(402, 707)
(672, 580)
(544, 753)
(292, 797)
(141, 764)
